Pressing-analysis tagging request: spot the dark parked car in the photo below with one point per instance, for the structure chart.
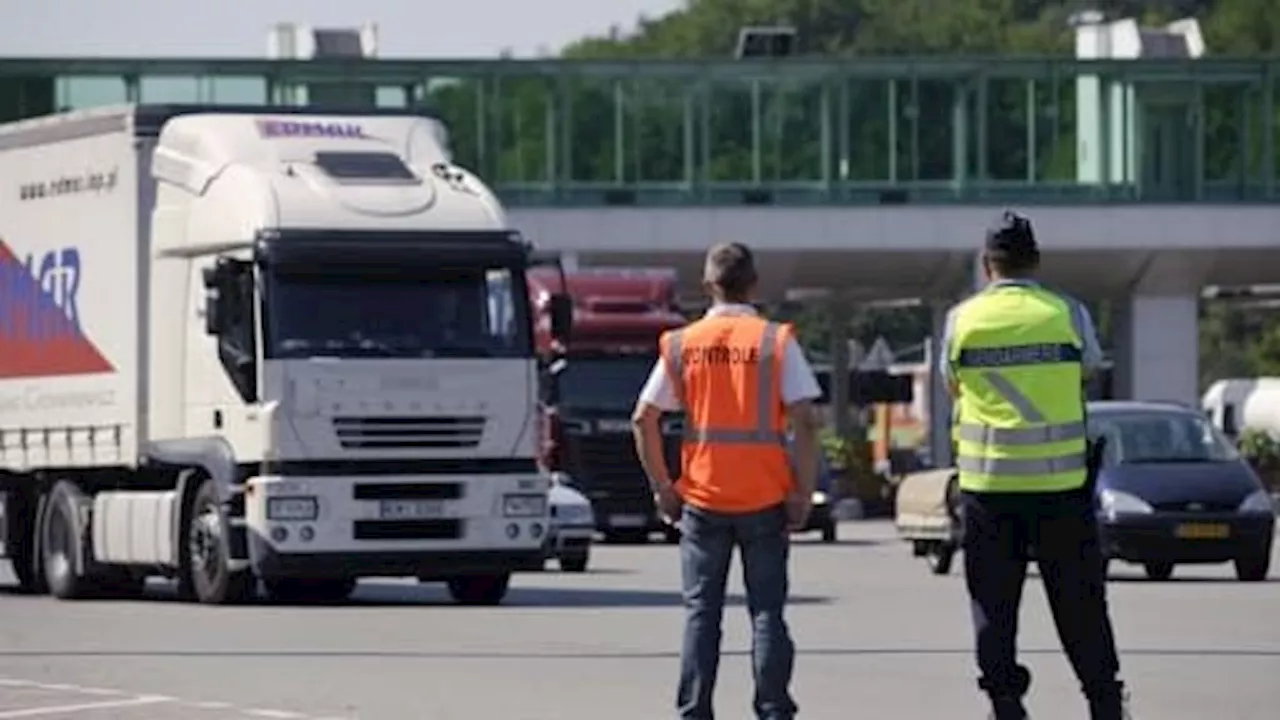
(1173, 490)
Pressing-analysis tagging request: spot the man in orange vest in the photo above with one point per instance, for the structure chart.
(739, 379)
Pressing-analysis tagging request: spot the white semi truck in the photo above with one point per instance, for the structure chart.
(243, 344)
(1235, 405)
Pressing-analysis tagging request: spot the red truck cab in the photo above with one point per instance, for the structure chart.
(618, 316)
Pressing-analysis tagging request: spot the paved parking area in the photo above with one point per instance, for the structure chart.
(879, 637)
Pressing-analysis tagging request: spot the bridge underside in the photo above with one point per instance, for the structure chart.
(880, 274)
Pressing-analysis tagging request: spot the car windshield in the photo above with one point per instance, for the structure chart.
(608, 384)
(1160, 437)
(453, 313)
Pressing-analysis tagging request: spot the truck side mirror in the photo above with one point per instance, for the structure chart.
(561, 309)
(1229, 419)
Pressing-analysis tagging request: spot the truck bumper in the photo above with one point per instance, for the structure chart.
(426, 565)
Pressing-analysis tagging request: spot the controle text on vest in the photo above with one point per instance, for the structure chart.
(270, 344)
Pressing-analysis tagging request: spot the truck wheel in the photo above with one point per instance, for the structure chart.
(24, 512)
(204, 551)
(575, 561)
(62, 543)
(479, 589)
(310, 590)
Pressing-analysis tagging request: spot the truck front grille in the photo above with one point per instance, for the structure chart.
(608, 463)
(406, 433)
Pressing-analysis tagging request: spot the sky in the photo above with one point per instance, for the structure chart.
(406, 28)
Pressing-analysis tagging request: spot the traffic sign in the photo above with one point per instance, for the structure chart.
(879, 357)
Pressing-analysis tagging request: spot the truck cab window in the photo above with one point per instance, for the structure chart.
(233, 297)
(409, 313)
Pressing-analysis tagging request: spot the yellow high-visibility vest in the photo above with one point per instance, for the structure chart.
(1016, 353)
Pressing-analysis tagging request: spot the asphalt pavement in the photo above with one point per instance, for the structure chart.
(878, 637)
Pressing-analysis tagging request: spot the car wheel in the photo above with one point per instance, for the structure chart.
(575, 561)
(1159, 570)
(1255, 566)
(829, 532)
(940, 558)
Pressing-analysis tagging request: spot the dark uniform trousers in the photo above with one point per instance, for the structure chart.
(999, 530)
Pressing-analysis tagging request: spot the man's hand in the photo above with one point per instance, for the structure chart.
(668, 502)
(799, 504)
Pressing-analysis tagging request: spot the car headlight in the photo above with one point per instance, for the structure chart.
(575, 515)
(524, 505)
(1116, 503)
(820, 498)
(292, 508)
(1258, 502)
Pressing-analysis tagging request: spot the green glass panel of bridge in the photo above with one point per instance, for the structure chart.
(790, 132)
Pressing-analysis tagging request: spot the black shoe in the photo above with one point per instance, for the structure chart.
(1007, 708)
(1110, 706)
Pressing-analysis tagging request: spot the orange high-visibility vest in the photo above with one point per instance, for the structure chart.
(727, 373)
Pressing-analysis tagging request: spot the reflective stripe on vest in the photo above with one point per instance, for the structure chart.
(764, 432)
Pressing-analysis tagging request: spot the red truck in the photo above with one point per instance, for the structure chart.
(618, 315)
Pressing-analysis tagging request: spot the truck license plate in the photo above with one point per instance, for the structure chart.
(410, 509)
(626, 521)
(1204, 531)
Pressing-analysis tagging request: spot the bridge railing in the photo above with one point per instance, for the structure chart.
(795, 132)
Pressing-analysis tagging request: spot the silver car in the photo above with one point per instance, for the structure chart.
(573, 525)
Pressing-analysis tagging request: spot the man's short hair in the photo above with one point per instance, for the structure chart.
(731, 268)
(1011, 244)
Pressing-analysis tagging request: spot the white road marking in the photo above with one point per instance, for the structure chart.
(84, 707)
(128, 699)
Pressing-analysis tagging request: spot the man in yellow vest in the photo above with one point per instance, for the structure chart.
(1016, 356)
(741, 380)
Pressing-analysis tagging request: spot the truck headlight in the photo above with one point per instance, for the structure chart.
(1257, 503)
(576, 515)
(1115, 503)
(524, 505)
(292, 508)
(819, 498)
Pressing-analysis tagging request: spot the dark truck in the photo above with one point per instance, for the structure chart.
(590, 387)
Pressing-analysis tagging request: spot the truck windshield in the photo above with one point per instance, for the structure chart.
(417, 313)
(604, 384)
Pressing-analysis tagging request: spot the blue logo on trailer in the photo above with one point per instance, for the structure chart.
(310, 129)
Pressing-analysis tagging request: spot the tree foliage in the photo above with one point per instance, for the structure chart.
(523, 143)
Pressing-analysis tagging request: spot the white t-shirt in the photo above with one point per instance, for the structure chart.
(798, 381)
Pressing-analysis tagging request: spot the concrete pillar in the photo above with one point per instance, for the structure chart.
(1157, 348)
(839, 368)
(939, 400)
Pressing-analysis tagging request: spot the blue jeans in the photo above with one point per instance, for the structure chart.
(706, 547)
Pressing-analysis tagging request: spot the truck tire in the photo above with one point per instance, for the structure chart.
(479, 589)
(61, 542)
(309, 590)
(24, 555)
(204, 553)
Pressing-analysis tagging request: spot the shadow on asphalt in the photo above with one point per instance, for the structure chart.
(600, 655)
(375, 594)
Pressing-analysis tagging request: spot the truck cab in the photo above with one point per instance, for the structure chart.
(590, 383)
